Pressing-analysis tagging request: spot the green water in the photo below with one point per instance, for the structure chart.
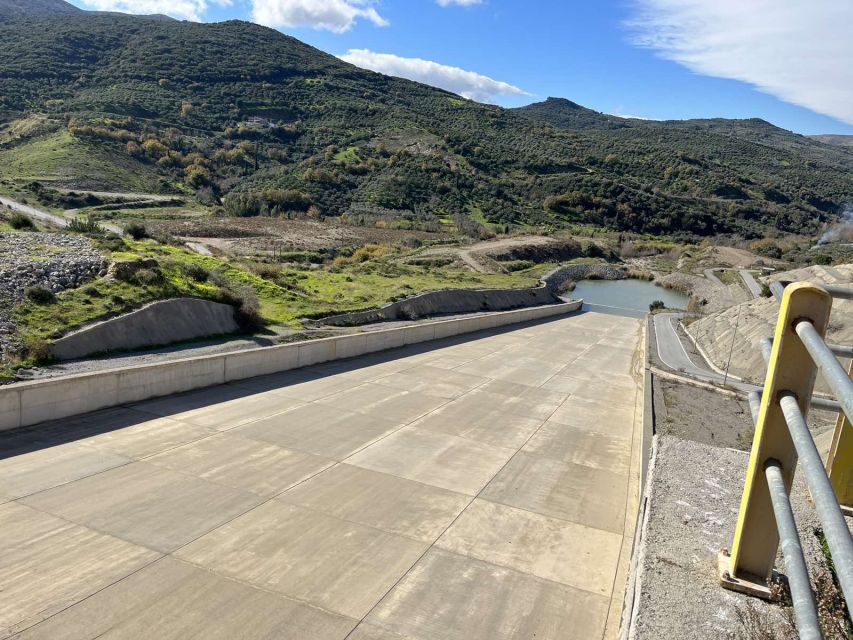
(635, 295)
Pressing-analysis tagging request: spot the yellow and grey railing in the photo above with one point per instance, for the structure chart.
(782, 440)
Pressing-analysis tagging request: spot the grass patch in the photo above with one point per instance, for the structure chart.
(348, 156)
(61, 156)
(284, 295)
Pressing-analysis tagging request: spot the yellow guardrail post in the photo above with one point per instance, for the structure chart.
(839, 462)
(749, 566)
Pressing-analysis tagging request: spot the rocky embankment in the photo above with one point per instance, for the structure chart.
(740, 329)
(555, 280)
(55, 261)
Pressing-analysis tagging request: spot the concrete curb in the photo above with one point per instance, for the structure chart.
(647, 450)
(30, 403)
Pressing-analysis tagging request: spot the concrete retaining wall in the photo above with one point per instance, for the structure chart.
(29, 403)
(156, 324)
(446, 302)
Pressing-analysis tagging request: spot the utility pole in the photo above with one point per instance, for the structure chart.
(731, 350)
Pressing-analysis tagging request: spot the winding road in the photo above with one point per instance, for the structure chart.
(672, 354)
(53, 219)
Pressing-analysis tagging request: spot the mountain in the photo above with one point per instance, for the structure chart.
(237, 111)
(565, 114)
(840, 140)
(17, 8)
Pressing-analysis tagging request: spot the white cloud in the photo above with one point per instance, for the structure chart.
(182, 9)
(798, 50)
(331, 15)
(469, 84)
(461, 3)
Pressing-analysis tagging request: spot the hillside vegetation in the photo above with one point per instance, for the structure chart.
(255, 120)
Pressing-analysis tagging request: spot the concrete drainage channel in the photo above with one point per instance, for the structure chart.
(30, 403)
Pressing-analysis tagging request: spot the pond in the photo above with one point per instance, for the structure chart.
(632, 295)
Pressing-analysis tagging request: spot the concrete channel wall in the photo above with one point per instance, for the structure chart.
(162, 322)
(33, 402)
(447, 302)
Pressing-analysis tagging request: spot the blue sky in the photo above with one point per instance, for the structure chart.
(647, 58)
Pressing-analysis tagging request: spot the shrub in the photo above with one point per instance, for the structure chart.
(39, 351)
(39, 295)
(136, 231)
(195, 272)
(21, 222)
(657, 305)
(247, 307)
(85, 225)
(92, 292)
(149, 277)
(111, 242)
(822, 259)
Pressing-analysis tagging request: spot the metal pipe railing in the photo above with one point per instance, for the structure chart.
(802, 596)
(836, 377)
(818, 403)
(826, 504)
(841, 293)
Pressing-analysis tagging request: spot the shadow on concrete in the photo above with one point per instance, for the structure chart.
(50, 434)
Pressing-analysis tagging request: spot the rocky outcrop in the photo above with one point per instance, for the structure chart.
(55, 261)
(160, 323)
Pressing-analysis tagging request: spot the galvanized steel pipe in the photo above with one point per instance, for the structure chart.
(826, 503)
(802, 596)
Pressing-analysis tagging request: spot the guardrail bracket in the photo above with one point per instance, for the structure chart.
(748, 583)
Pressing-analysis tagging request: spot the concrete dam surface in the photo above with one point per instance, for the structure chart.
(475, 487)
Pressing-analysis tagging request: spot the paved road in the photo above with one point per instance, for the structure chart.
(485, 488)
(672, 353)
(53, 219)
(751, 284)
(709, 273)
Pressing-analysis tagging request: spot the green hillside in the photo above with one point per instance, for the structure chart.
(17, 8)
(241, 112)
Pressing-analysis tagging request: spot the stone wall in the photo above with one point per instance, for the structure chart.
(574, 272)
(159, 323)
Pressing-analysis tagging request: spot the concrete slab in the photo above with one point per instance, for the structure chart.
(565, 552)
(222, 408)
(581, 445)
(307, 385)
(606, 416)
(437, 459)
(402, 494)
(490, 426)
(565, 490)
(450, 597)
(147, 437)
(529, 371)
(153, 507)
(337, 565)
(49, 564)
(240, 463)
(34, 471)
(434, 381)
(392, 404)
(379, 500)
(320, 429)
(173, 600)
